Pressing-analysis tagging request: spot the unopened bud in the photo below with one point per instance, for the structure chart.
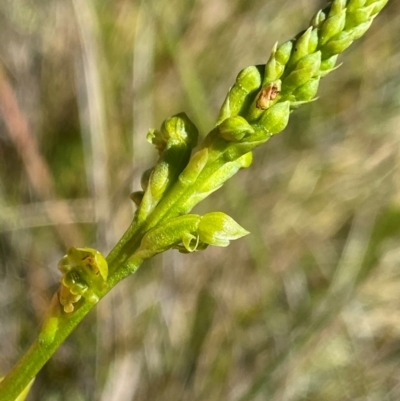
(219, 229)
(275, 119)
(337, 45)
(307, 91)
(332, 26)
(233, 129)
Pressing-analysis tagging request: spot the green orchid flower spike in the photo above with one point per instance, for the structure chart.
(257, 106)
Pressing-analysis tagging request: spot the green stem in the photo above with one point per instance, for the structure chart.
(55, 330)
(121, 265)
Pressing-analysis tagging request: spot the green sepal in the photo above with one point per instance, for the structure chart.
(332, 26)
(219, 229)
(88, 262)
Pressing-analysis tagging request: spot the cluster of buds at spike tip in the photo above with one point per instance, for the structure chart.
(265, 95)
(174, 142)
(191, 233)
(256, 107)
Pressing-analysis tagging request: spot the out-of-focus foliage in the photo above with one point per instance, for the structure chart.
(304, 308)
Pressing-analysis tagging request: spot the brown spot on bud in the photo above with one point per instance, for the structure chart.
(267, 94)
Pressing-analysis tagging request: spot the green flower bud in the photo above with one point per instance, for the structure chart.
(332, 26)
(273, 68)
(312, 60)
(248, 81)
(359, 16)
(306, 69)
(337, 7)
(283, 52)
(354, 5)
(275, 119)
(177, 129)
(337, 45)
(301, 47)
(318, 19)
(307, 91)
(233, 129)
(219, 229)
(181, 127)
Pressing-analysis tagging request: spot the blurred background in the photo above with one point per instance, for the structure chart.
(307, 307)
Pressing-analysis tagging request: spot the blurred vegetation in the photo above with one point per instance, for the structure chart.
(305, 308)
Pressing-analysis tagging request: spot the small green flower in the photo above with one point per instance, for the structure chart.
(85, 272)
